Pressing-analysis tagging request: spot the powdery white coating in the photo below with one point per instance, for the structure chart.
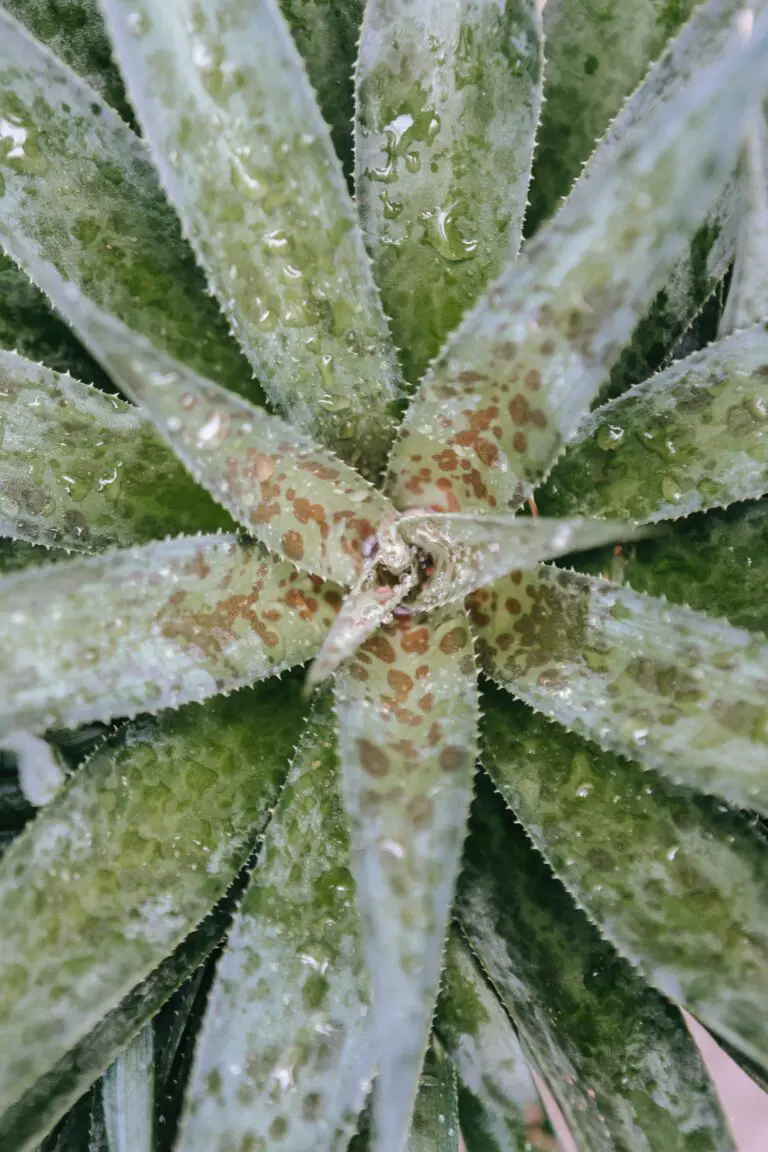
(41, 774)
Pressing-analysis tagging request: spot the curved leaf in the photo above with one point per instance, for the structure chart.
(674, 689)
(326, 33)
(243, 152)
(615, 1055)
(113, 875)
(284, 1059)
(151, 628)
(77, 192)
(407, 711)
(596, 55)
(747, 301)
(691, 438)
(82, 470)
(127, 1091)
(435, 1126)
(675, 883)
(447, 102)
(480, 1039)
(302, 502)
(511, 386)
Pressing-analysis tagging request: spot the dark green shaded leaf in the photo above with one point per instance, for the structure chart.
(435, 1125)
(616, 1056)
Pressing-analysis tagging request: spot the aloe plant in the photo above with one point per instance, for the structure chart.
(278, 389)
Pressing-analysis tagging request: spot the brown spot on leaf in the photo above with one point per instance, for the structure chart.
(454, 640)
(372, 759)
(453, 757)
(293, 545)
(416, 640)
(381, 647)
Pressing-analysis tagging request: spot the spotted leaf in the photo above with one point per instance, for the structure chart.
(326, 33)
(674, 689)
(511, 386)
(748, 292)
(242, 150)
(115, 873)
(302, 502)
(284, 1057)
(691, 438)
(151, 628)
(79, 193)
(467, 552)
(82, 470)
(407, 712)
(128, 1088)
(447, 103)
(480, 1040)
(673, 881)
(616, 1056)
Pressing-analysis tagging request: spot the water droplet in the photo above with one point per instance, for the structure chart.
(609, 437)
(583, 791)
(673, 852)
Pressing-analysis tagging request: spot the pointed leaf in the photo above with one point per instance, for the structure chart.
(128, 1088)
(298, 499)
(25, 1122)
(596, 55)
(511, 386)
(435, 1126)
(114, 874)
(471, 551)
(484, 1129)
(16, 554)
(79, 194)
(241, 147)
(83, 470)
(447, 103)
(284, 1059)
(675, 689)
(716, 563)
(675, 883)
(615, 1055)
(151, 628)
(76, 34)
(326, 32)
(481, 1042)
(407, 711)
(748, 292)
(691, 438)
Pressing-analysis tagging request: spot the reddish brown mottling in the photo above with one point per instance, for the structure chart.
(381, 648)
(400, 683)
(293, 545)
(372, 759)
(454, 640)
(416, 640)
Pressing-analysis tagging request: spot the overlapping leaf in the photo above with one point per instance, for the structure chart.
(446, 113)
(119, 869)
(435, 1126)
(691, 438)
(748, 292)
(247, 160)
(407, 713)
(674, 689)
(151, 628)
(79, 193)
(616, 1056)
(128, 1089)
(284, 1059)
(510, 387)
(82, 470)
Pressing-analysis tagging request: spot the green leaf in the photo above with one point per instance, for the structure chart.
(151, 628)
(691, 438)
(114, 874)
(17, 554)
(284, 1060)
(470, 551)
(677, 690)
(715, 563)
(128, 1089)
(407, 710)
(484, 1130)
(748, 292)
(74, 31)
(40, 1108)
(302, 502)
(243, 152)
(447, 104)
(82, 470)
(676, 884)
(326, 33)
(435, 1126)
(512, 384)
(481, 1042)
(615, 1055)
(78, 196)
(596, 55)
